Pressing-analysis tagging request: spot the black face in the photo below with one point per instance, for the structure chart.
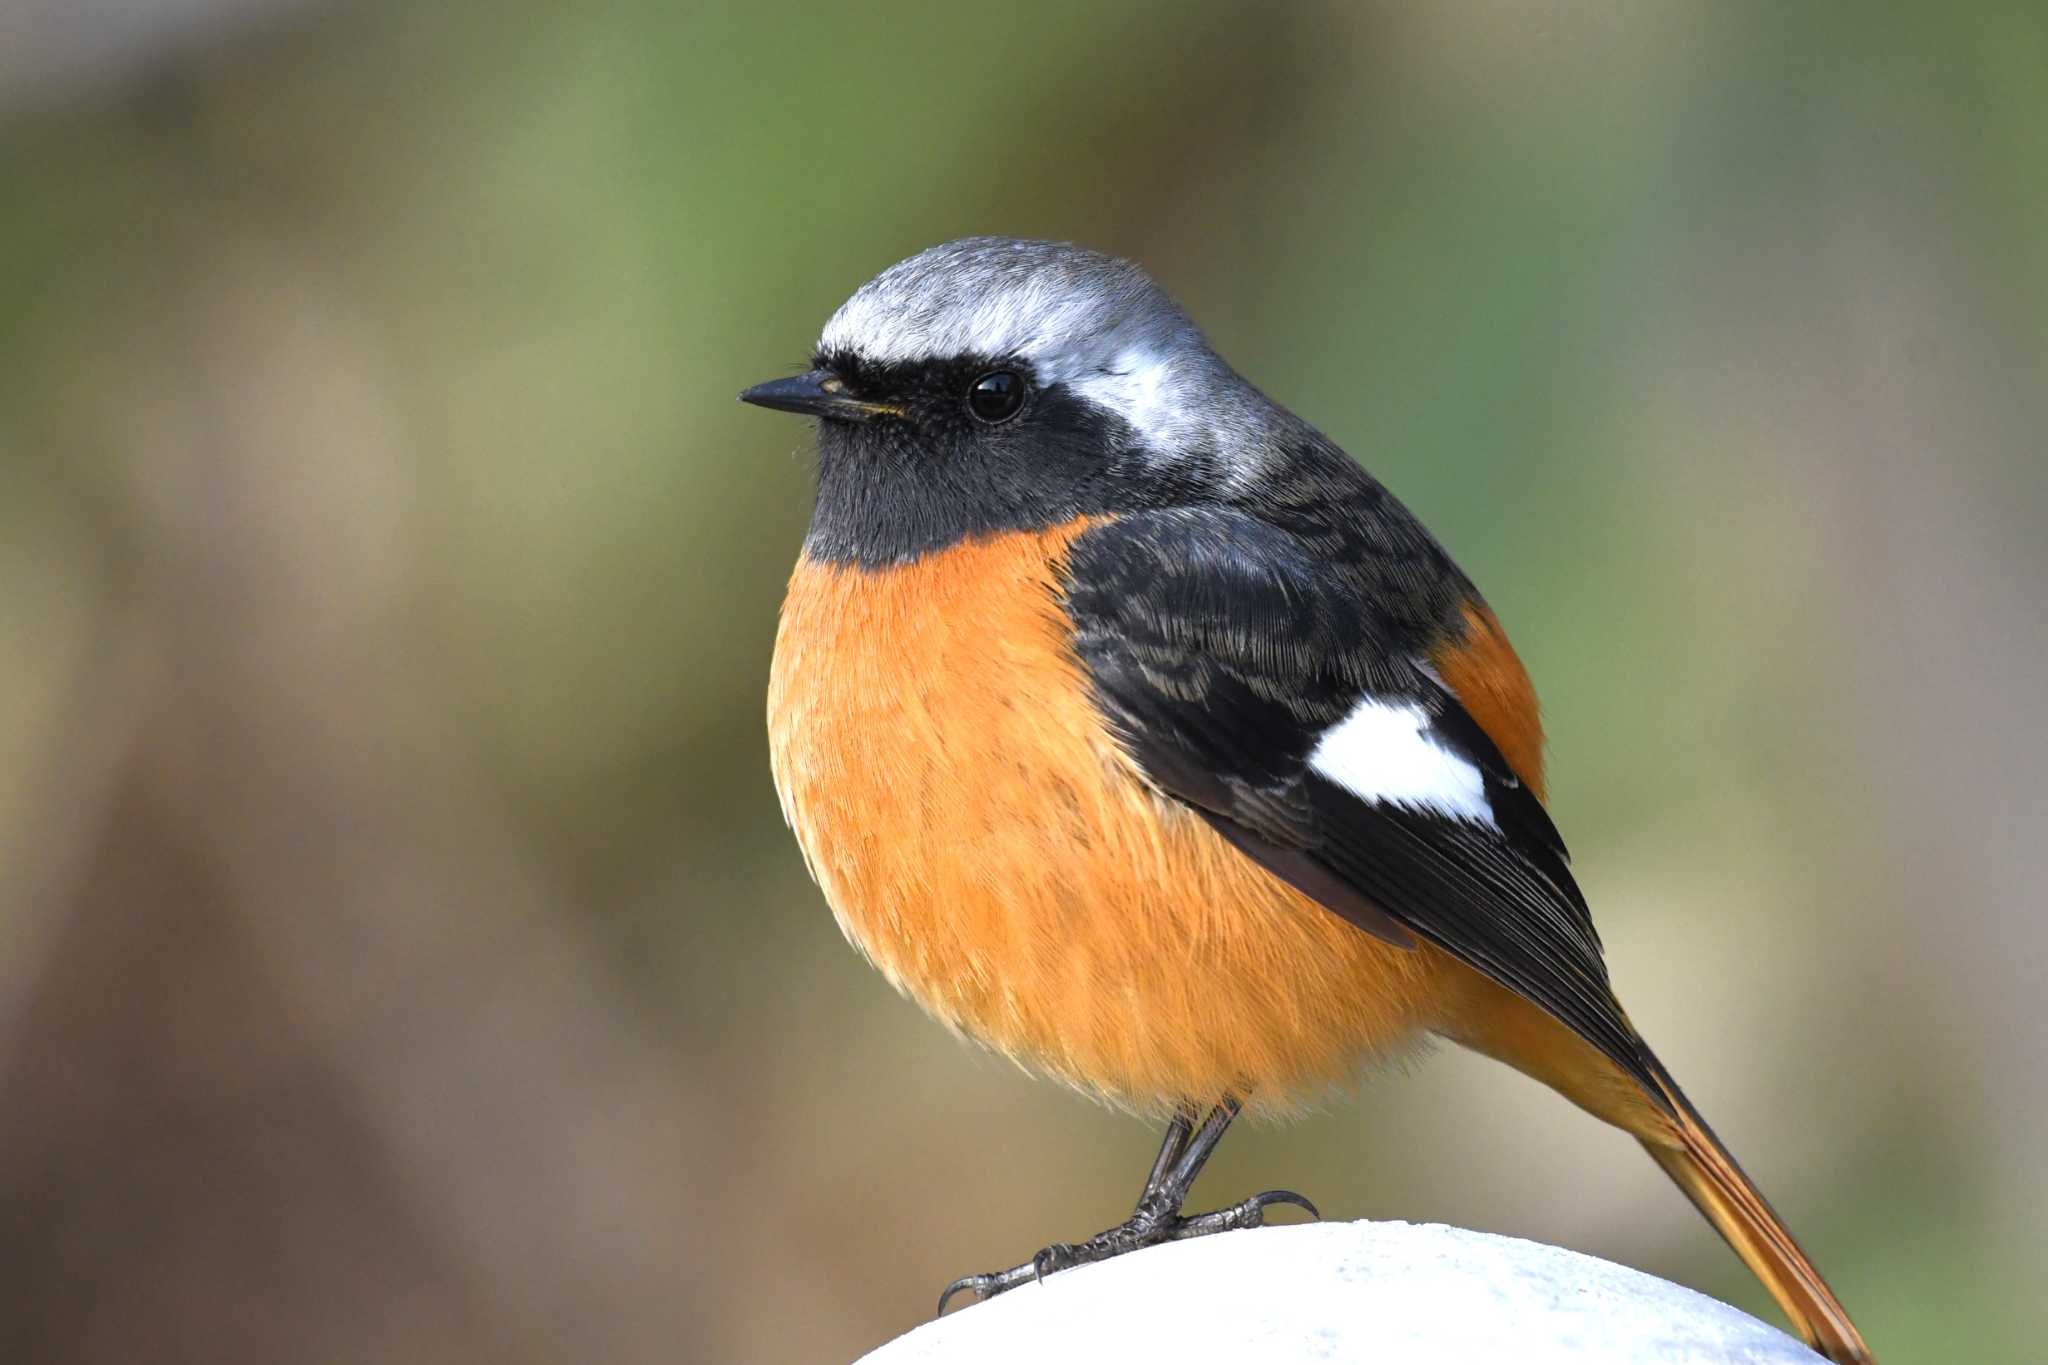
(981, 446)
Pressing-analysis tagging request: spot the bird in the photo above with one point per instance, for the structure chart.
(1136, 731)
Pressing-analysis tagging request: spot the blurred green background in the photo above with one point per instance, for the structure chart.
(401, 955)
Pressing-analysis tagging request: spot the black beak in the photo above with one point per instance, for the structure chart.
(817, 394)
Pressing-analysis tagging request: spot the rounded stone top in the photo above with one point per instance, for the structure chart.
(1386, 1293)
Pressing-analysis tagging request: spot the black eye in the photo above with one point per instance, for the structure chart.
(996, 396)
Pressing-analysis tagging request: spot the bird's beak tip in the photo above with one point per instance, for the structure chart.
(818, 393)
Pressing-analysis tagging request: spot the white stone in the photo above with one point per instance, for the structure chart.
(1384, 1293)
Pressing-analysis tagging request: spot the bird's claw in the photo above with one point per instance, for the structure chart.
(1147, 1227)
(1247, 1213)
(986, 1287)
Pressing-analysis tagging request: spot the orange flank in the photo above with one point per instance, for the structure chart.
(983, 839)
(1488, 678)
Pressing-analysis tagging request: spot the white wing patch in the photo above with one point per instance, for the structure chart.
(1382, 752)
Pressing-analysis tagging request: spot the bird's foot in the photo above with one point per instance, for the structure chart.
(1153, 1222)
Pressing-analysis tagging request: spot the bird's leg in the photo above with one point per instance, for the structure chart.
(1157, 1217)
(1170, 1149)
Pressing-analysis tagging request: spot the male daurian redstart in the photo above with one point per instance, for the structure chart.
(1134, 730)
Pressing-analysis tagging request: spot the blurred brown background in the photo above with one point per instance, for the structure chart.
(401, 957)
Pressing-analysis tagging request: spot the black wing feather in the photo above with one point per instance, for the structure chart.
(1220, 647)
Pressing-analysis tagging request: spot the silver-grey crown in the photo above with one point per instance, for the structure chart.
(1094, 323)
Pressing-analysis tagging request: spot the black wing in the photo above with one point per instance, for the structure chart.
(1222, 649)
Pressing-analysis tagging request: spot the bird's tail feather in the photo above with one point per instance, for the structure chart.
(1644, 1102)
(1699, 1165)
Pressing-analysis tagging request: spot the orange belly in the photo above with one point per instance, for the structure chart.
(989, 847)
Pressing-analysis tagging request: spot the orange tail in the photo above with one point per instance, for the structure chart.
(1673, 1132)
(1702, 1167)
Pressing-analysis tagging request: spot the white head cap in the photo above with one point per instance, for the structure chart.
(1091, 322)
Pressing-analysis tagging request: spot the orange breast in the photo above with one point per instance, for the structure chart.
(984, 841)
